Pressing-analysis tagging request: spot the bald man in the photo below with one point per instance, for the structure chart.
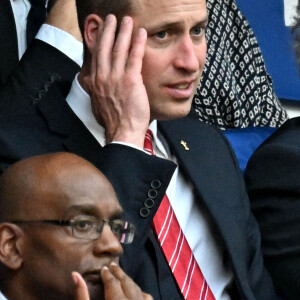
(60, 218)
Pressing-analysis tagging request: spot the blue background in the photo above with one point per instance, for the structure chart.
(266, 18)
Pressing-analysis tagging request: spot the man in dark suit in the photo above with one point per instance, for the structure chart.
(273, 183)
(46, 59)
(55, 229)
(124, 85)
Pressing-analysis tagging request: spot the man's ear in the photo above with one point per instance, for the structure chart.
(93, 24)
(10, 242)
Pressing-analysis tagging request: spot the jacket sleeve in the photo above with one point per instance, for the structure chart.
(140, 181)
(40, 66)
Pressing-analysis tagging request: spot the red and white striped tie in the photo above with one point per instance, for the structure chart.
(176, 249)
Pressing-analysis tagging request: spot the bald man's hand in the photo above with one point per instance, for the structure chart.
(63, 15)
(119, 98)
(117, 286)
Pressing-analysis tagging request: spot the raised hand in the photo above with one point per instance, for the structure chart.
(119, 98)
(117, 286)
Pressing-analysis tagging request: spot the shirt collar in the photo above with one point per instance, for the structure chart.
(2, 297)
(80, 102)
(26, 2)
(160, 146)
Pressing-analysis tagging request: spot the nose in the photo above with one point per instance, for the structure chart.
(188, 55)
(107, 243)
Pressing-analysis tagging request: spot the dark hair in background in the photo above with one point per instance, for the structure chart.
(102, 8)
(296, 30)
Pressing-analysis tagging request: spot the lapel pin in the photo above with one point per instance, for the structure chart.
(184, 144)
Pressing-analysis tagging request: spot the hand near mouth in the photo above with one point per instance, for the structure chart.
(117, 285)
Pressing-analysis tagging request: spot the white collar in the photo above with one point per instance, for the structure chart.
(2, 297)
(80, 102)
(26, 2)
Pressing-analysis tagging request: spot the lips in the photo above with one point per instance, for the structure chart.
(182, 86)
(181, 90)
(93, 277)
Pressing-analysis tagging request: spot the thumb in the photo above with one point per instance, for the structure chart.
(81, 287)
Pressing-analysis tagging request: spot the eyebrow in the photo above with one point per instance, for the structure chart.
(166, 25)
(94, 211)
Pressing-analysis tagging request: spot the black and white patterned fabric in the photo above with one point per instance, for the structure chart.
(235, 89)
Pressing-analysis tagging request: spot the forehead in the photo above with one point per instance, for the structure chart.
(96, 203)
(80, 192)
(156, 11)
(92, 195)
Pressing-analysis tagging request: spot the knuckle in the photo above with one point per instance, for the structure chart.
(117, 50)
(112, 281)
(100, 78)
(114, 79)
(99, 50)
(129, 80)
(135, 54)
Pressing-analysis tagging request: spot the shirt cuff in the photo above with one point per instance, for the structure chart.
(130, 145)
(62, 41)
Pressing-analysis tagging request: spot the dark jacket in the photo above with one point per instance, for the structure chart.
(49, 125)
(41, 63)
(273, 183)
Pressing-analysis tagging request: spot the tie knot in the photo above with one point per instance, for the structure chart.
(148, 142)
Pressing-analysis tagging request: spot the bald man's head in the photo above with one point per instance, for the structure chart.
(25, 184)
(47, 205)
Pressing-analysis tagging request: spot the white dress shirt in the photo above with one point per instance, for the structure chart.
(57, 38)
(195, 224)
(2, 297)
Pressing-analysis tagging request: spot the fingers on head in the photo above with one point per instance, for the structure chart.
(136, 55)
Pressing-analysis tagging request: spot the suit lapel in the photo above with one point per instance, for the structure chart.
(203, 160)
(9, 57)
(61, 120)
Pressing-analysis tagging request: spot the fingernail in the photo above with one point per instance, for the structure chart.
(126, 20)
(75, 278)
(113, 264)
(108, 18)
(104, 268)
(142, 32)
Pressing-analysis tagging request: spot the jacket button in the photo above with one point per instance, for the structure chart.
(155, 184)
(152, 194)
(144, 212)
(55, 77)
(149, 203)
(41, 94)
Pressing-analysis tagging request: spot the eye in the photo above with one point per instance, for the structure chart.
(198, 31)
(117, 226)
(83, 225)
(161, 34)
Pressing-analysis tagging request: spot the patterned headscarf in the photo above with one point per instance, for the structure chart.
(235, 89)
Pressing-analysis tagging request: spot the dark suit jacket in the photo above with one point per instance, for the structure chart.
(273, 182)
(51, 126)
(41, 63)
